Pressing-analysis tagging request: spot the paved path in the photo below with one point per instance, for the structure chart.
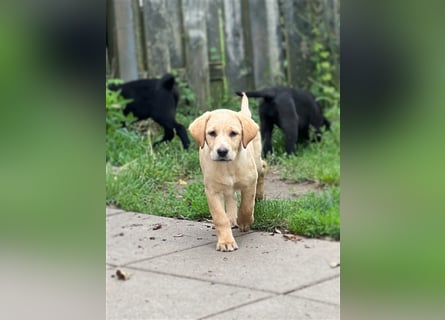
(176, 273)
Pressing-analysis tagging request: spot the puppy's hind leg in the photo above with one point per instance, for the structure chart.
(168, 124)
(290, 140)
(259, 195)
(168, 135)
(182, 133)
(245, 213)
(266, 132)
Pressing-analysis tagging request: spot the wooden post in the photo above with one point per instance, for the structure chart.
(194, 14)
(332, 24)
(215, 53)
(122, 26)
(110, 49)
(298, 30)
(139, 36)
(237, 66)
(157, 32)
(175, 39)
(266, 42)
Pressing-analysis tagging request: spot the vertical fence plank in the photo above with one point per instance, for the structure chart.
(138, 28)
(215, 54)
(275, 38)
(175, 39)
(259, 43)
(237, 69)
(122, 26)
(157, 33)
(213, 36)
(194, 15)
(265, 41)
(110, 50)
(297, 30)
(332, 28)
(247, 66)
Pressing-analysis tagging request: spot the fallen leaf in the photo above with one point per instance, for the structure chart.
(277, 231)
(292, 237)
(182, 182)
(122, 275)
(157, 226)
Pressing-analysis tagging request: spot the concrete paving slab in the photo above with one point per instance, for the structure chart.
(328, 291)
(282, 307)
(130, 236)
(263, 262)
(148, 295)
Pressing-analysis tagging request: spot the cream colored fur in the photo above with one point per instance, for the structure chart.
(230, 159)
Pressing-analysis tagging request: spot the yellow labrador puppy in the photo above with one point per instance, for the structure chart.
(230, 159)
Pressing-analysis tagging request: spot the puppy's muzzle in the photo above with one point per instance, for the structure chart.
(222, 153)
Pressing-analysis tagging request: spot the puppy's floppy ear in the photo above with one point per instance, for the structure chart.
(197, 128)
(250, 129)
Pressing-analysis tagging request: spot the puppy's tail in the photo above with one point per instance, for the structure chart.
(245, 105)
(168, 81)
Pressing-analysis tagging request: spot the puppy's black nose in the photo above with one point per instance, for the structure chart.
(222, 152)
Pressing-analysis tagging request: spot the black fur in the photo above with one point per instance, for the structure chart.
(156, 99)
(294, 111)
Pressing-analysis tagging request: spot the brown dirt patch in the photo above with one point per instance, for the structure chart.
(278, 188)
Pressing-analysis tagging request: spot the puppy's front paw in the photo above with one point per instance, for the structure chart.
(226, 245)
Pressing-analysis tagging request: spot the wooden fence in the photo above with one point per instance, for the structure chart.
(220, 45)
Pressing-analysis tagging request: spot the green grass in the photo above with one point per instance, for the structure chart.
(167, 180)
(313, 215)
(154, 184)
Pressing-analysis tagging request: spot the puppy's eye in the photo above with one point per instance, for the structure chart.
(212, 133)
(233, 134)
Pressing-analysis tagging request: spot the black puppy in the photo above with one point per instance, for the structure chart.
(156, 99)
(294, 111)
